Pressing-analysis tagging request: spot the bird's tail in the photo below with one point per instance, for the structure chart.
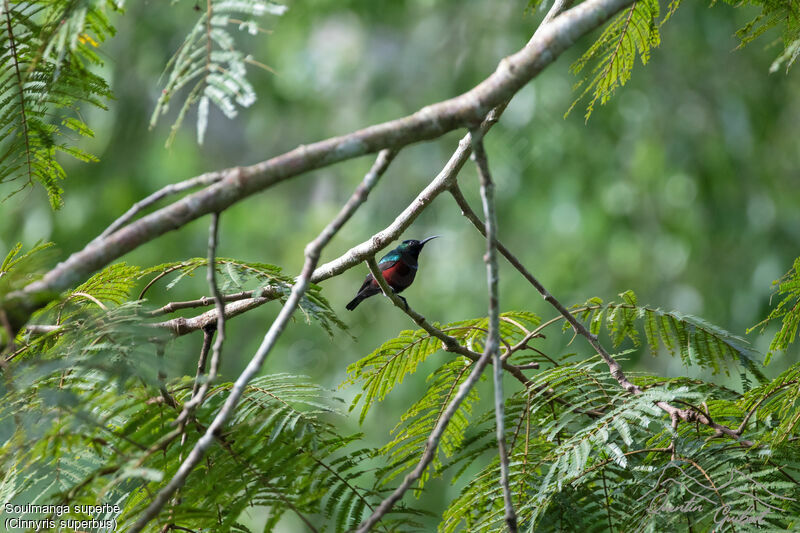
(354, 302)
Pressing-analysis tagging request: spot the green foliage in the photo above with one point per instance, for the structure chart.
(280, 451)
(86, 412)
(577, 440)
(776, 406)
(633, 33)
(585, 455)
(417, 423)
(775, 14)
(210, 64)
(115, 284)
(385, 368)
(48, 52)
(240, 276)
(787, 310)
(697, 342)
(636, 31)
(19, 268)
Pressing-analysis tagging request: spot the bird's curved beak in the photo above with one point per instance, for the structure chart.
(422, 242)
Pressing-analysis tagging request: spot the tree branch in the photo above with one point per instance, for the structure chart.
(182, 325)
(449, 343)
(312, 253)
(238, 183)
(432, 442)
(493, 336)
(205, 301)
(171, 189)
(198, 395)
(614, 367)
(382, 239)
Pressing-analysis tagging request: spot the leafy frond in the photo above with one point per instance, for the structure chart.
(776, 406)
(416, 424)
(19, 268)
(209, 65)
(787, 310)
(633, 33)
(388, 365)
(238, 275)
(279, 451)
(775, 14)
(48, 51)
(615, 466)
(695, 341)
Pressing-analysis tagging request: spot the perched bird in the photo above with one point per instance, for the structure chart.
(398, 268)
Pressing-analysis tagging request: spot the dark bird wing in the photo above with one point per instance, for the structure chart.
(368, 281)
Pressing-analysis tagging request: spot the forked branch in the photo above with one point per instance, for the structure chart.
(312, 253)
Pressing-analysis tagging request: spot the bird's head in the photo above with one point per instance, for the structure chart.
(413, 246)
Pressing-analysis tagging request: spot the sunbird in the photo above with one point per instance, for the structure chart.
(398, 268)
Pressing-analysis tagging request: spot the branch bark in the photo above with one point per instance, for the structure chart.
(219, 307)
(432, 442)
(493, 336)
(238, 183)
(312, 253)
(171, 189)
(687, 415)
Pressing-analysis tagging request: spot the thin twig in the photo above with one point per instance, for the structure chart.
(449, 343)
(205, 301)
(174, 188)
(512, 73)
(208, 337)
(197, 396)
(493, 337)
(687, 415)
(312, 253)
(435, 436)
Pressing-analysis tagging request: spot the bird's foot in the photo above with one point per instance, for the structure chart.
(405, 303)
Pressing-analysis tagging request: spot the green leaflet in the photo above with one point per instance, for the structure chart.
(787, 310)
(775, 14)
(633, 33)
(417, 423)
(695, 341)
(47, 80)
(387, 366)
(609, 61)
(210, 64)
(775, 404)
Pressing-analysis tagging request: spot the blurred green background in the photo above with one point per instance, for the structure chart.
(683, 188)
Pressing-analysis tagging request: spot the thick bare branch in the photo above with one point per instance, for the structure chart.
(205, 301)
(312, 253)
(171, 189)
(238, 183)
(182, 326)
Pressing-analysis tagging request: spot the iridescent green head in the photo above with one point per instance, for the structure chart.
(413, 246)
